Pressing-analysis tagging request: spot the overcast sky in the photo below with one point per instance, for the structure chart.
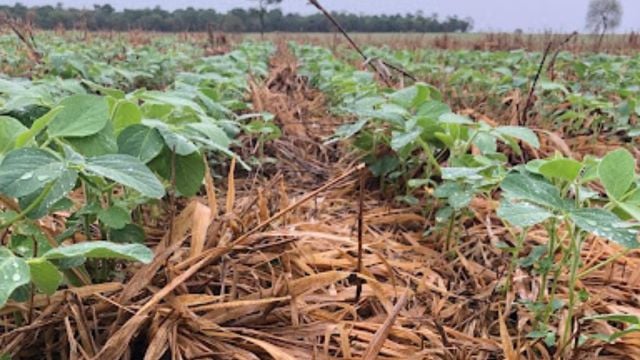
(489, 15)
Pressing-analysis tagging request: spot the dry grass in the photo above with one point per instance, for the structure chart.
(618, 44)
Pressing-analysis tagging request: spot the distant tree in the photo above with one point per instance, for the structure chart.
(262, 10)
(604, 15)
(264, 17)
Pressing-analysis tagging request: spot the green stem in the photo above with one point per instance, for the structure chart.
(450, 230)
(85, 217)
(554, 285)
(576, 243)
(29, 208)
(470, 142)
(432, 160)
(551, 230)
(514, 258)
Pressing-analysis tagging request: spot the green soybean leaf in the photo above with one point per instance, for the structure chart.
(631, 209)
(564, 169)
(45, 275)
(131, 233)
(533, 166)
(521, 133)
(433, 109)
(605, 224)
(14, 273)
(452, 118)
(140, 141)
(81, 115)
(102, 250)
(552, 86)
(114, 217)
(401, 139)
(172, 138)
(525, 187)
(125, 115)
(411, 96)
(179, 142)
(101, 143)
(348, 130)
(459, 200)
(455, 173)
(10, 128)
(616, 172)
(24, 171)
(62, 186)
(38, 125)
(522, 214)
(27, 239)
(114, 93)
(486, 143)
(216, 135)
(128, 171)
(189, 170)
(446, 189)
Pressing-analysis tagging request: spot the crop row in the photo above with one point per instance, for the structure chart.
(64, 135)
(447, 159)
(599, 92)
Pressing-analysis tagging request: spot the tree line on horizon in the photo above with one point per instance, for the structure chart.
(106, 18)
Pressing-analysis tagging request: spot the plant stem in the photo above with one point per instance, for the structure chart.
(432, 160)
(554, 286)
(514, 258)
(85, 217)
(576, 243)
(551, 230)
(450, 230)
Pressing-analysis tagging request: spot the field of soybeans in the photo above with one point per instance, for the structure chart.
(207, 196)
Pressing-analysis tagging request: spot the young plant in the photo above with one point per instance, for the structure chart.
(46, 270)
(553, 193)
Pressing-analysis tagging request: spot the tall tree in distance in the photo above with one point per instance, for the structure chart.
(262, 10)
(603, 16)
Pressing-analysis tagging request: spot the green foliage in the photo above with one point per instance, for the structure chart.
(14, 272)
(24, 171)
(118, 148)
(529, 200)
(410, 136)
(45, 276)
(101, 250)
(588, 93)
(617, 172)
(128, 171)
(140, 141)
(10, 128)
(81, 116)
